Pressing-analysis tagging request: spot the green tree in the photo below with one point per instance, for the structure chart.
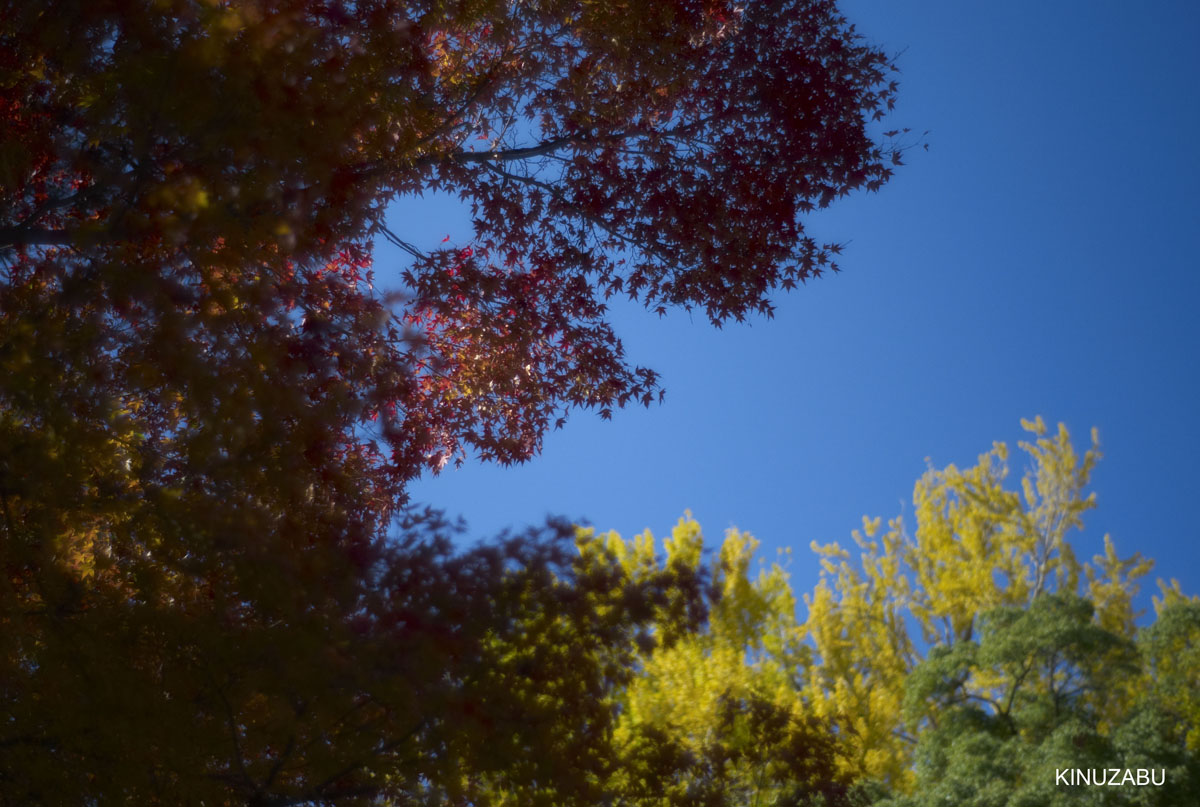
(1171, 650)
(966, 663)
(1051, 712)
(977, 546)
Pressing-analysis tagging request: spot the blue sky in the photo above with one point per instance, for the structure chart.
(1040, 258)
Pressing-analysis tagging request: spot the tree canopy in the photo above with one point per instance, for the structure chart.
(966, 662)
(204, 180)
(977, 546)
(432, 676)
(721, 703)
(1061, 697)
(209, 410)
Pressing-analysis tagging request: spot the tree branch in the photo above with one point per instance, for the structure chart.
(507, 155)
(17, 237)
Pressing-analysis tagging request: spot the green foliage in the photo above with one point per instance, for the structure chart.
(1171, 648)
(977, 546)
(1055, 667)
(970, 662)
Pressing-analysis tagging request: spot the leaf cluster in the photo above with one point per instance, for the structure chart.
(209, 413)
(433, 675)
(202, 181)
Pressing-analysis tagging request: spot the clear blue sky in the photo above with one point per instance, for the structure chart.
(1041, 258)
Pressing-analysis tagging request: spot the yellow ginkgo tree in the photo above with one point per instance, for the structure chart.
(716, 716)
(955, 657)
(843, 665)
(977, 545)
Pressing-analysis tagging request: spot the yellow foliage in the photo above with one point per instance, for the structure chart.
(751, 651)
(977, 545)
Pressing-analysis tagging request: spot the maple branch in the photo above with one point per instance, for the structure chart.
(547, 147)
(507, 155)
(553, 145)
(526, 180)
(476, 93)
(608, 227)
(21, 236)
(400, 242)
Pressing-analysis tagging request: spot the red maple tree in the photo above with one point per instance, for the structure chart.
(209, 176)
(208, 411)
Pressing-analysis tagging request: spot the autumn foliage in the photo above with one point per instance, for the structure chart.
(209, 176)
(209, 412)
(959, 656)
